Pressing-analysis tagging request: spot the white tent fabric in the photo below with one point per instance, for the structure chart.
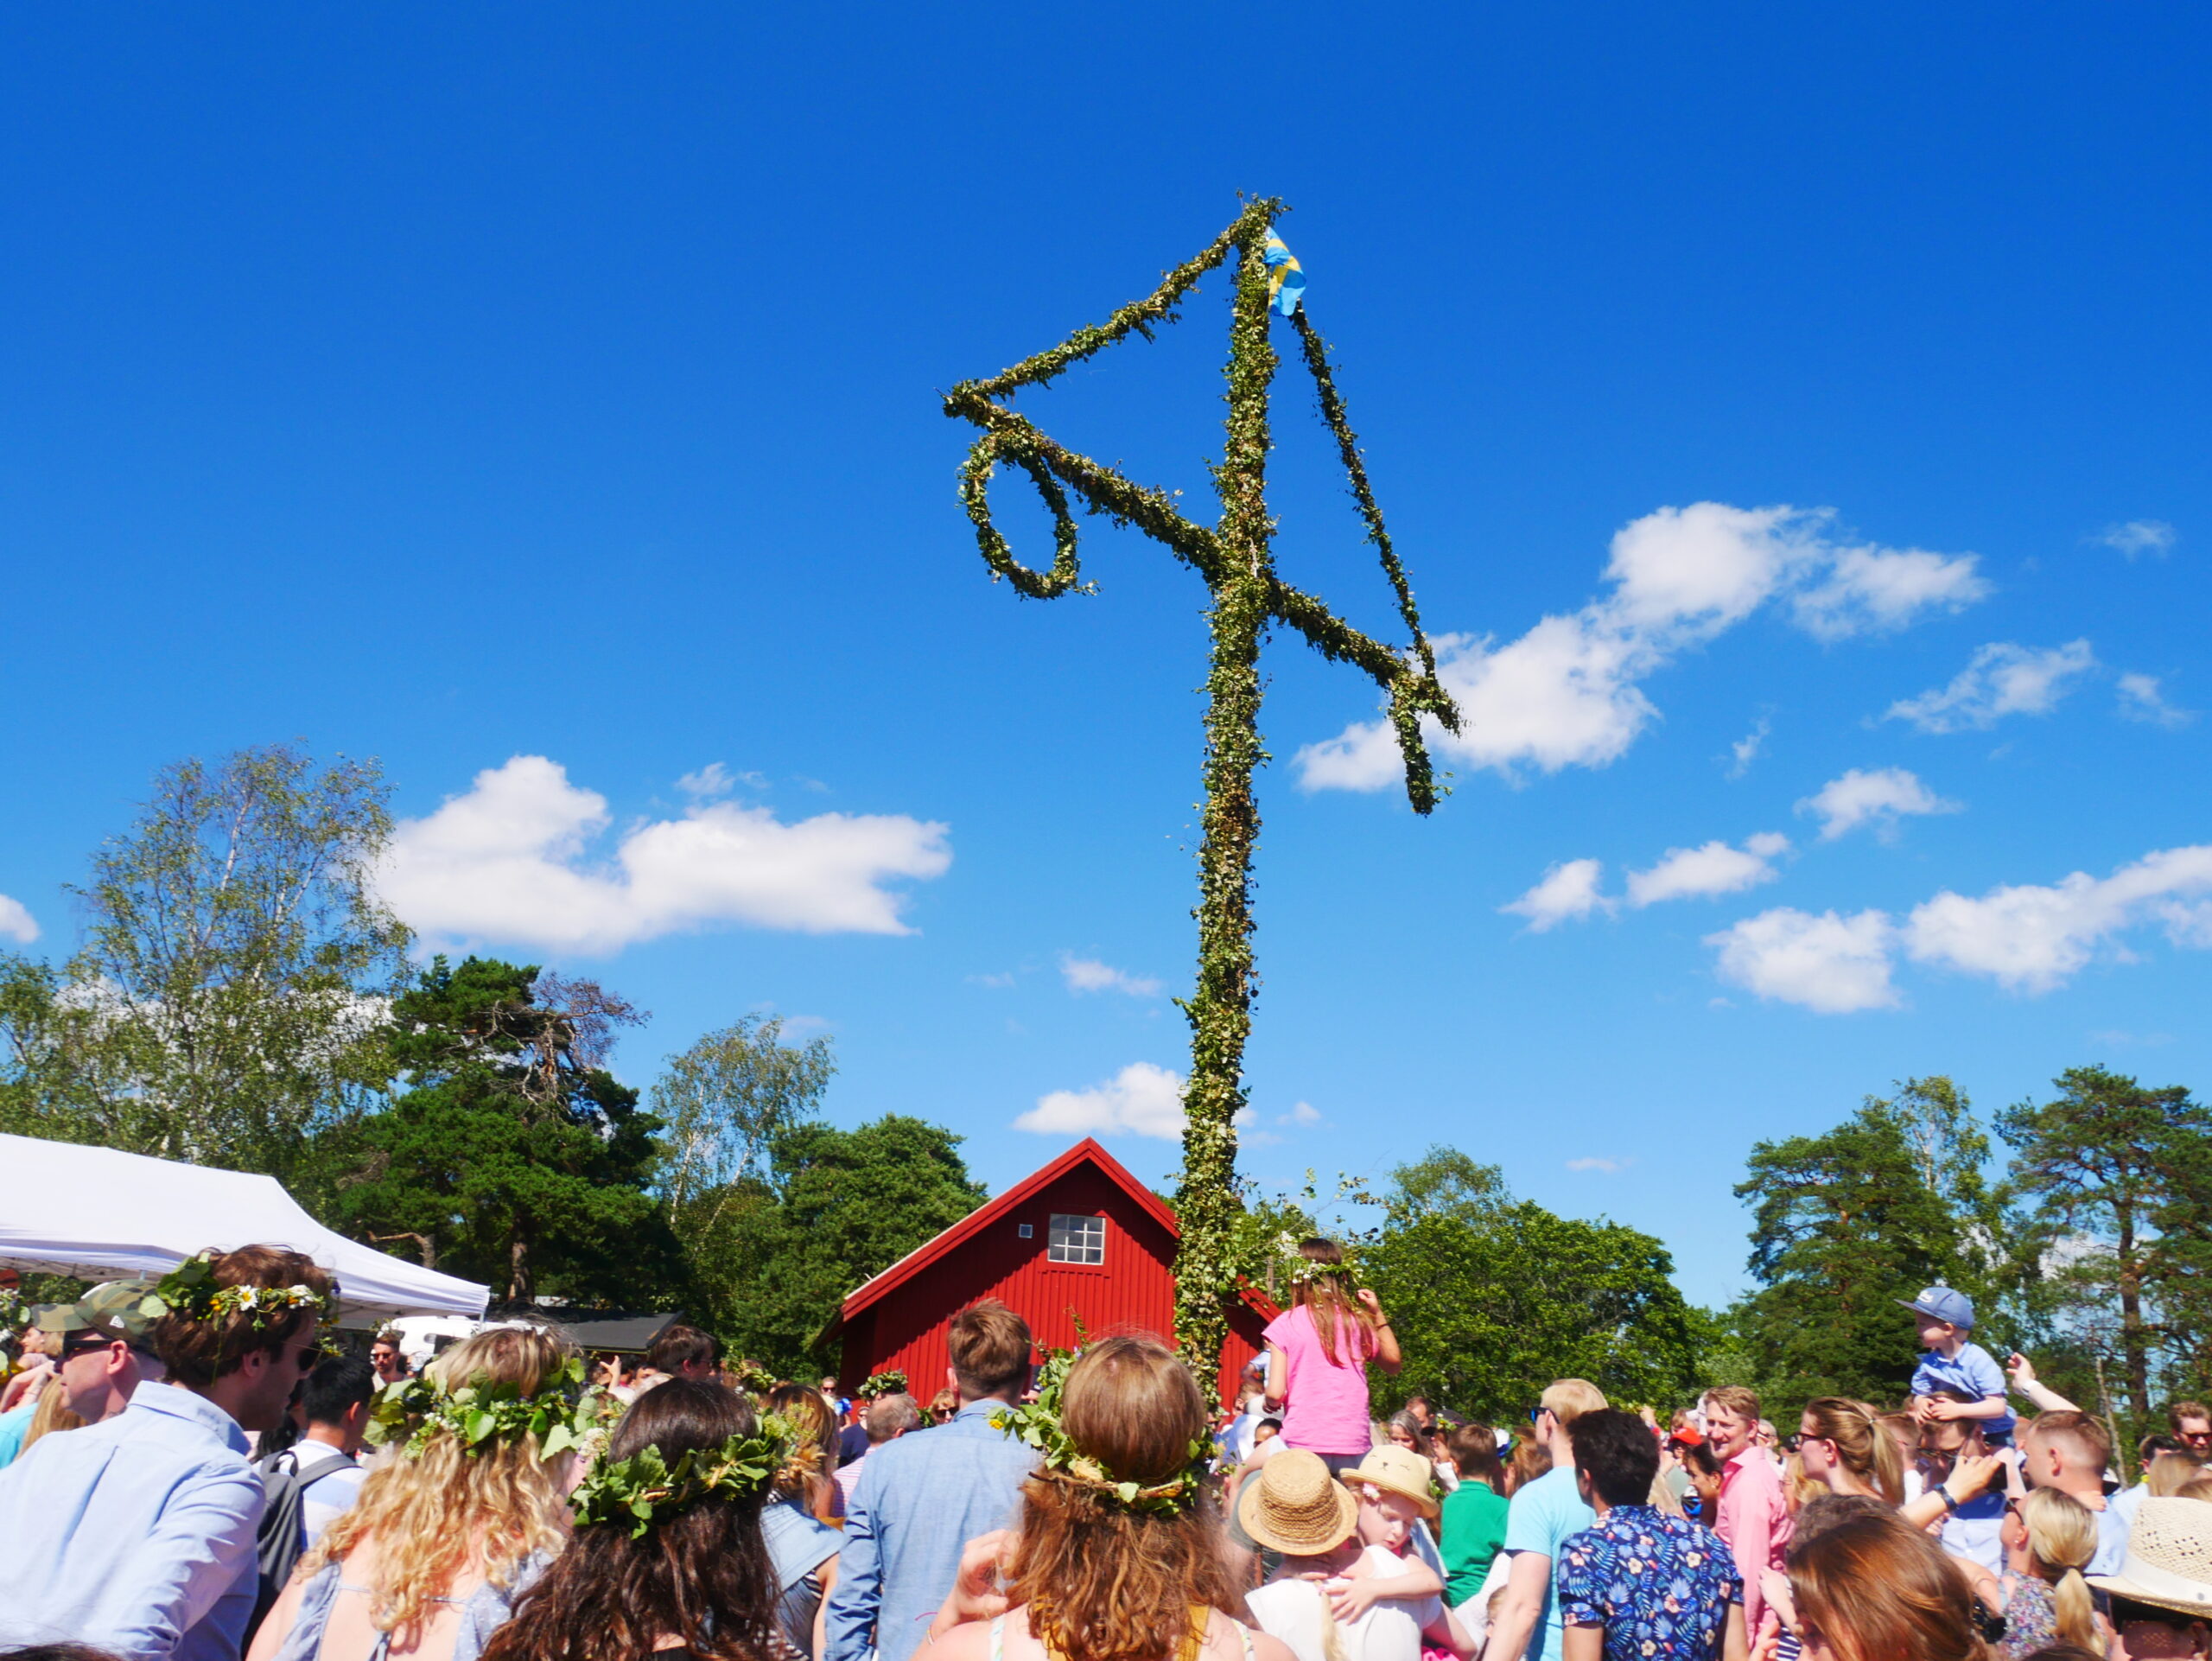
(99, 1214)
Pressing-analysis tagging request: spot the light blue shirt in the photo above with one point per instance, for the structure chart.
(919, 1501)
(1540, 1518)
(135, 1535)
(1971, 1371)
(14, 1426)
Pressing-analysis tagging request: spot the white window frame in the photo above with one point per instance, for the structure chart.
(1078, 1238)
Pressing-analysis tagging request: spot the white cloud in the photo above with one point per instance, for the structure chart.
(1871, 590)
(1089, 975)
(1141, 1100)
(2001, 679)
(507, 862)
(1301, 1113)
(1567, 693)
(2141, 699)
(16, 922)
(2138, 537)
(1715, 869)
(1568, 890)
(1882, 798)
(2031, 938)
(1829, 963)
(1592, 1162)
(1747, 749)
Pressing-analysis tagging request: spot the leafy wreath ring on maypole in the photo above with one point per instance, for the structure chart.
(1236, 559)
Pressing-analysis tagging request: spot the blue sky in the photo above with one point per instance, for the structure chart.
(551, 394)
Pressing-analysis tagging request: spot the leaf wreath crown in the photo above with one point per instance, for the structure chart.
(561, 1415)
(1303, 1270)
(890, 1383)
(1037, 1424)
(645, 1489)
(190, 1290)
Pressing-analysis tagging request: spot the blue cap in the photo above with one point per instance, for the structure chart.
(1941, 1303)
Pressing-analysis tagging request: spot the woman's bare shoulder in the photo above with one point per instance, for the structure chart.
(969, 1641)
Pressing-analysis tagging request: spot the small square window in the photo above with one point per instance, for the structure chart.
(1026, 1231)
(1076, 1240)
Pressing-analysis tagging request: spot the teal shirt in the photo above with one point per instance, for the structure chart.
(14, 1426)
(1474, 1533)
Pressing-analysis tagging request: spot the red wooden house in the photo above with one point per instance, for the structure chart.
(1081, 1241)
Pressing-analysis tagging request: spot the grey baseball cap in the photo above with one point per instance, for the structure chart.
(1941, 1303)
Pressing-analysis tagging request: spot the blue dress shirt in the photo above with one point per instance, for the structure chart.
(919, 1499)
(135, 1535)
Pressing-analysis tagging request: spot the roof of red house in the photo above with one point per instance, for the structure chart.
(983, 1215)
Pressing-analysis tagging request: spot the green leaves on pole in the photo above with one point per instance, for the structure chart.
(1246, 598)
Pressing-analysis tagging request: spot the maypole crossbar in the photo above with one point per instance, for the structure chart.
(1237, 563)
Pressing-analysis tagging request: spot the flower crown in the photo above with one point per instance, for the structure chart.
(644, 1488)
(1038, 1425)
(561, 1415)
(891, 1383)
(1303, 1270)
(189, 1290)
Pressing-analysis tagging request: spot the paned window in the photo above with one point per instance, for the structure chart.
(1076, 1240)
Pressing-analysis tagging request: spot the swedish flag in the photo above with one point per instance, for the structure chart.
(1285, 282)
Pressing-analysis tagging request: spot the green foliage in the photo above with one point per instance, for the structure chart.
(1236, 560)
(561, 1415)
(1493, 1298)
(1037, 1424)
(1845, 1223)
(836, 1207)
(512, 1156)
(228, 1001)
(638, 1492)
(2117, 1180)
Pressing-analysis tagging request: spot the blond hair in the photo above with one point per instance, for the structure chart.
(2063, 1538)
(2170, 1473)
(52, 1414)
(1863, 1448)
(1568, 1399)
(448, 1514)
(1739, 1399)
(1325, 1294)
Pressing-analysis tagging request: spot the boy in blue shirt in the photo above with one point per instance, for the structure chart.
(1952, 1363)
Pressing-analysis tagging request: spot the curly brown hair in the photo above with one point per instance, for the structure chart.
(197, 1352)
(702, 1575)
(1102, 1582)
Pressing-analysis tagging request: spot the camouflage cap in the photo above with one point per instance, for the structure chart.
(114, 1309)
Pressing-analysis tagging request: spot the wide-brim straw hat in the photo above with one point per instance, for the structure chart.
(1292, 1504)
(2169, 1561)
(1399, 1470)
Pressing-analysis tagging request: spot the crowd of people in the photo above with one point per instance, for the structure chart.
(187, 1470)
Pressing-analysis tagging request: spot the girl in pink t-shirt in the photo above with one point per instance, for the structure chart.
(1318, 1352)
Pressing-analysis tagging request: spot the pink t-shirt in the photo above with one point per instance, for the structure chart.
(1325, 1409)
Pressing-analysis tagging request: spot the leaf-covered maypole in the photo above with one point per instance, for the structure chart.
(1236, 559)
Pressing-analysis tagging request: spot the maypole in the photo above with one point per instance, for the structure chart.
(1236, 560)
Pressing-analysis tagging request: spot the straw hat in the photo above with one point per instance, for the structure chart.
(1399, 1470)
(1292, 1504)
(2168, 1561)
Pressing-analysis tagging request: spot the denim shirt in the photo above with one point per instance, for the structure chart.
(135, 1535)
(919, 1499)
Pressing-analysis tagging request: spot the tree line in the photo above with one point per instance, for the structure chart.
(241, 998)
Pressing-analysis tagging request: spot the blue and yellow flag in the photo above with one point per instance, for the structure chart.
(1285, 282)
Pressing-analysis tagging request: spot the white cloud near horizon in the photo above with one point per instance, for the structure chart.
(1567, 890)
(16, 922)
(1594, 1162)
(1566, 693)
(1089, 975)
(1881, 797)
(2030, 939)
(2002, 679)
(2142, 698)
(1141, 1100)
(2135, 537)
(1714, 868)
(507, 860)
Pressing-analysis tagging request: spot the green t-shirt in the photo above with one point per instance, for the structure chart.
(1474, 1533)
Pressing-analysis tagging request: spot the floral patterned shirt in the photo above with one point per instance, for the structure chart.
(1659, 1585)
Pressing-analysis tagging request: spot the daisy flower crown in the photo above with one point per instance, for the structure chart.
(1038, 1425)
(190, 1290)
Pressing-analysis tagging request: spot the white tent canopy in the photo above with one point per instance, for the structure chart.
(99, 1215)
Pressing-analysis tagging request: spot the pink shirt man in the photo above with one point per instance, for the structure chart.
(1754, 1521)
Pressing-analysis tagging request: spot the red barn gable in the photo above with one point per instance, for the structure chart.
(1080, 1241)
